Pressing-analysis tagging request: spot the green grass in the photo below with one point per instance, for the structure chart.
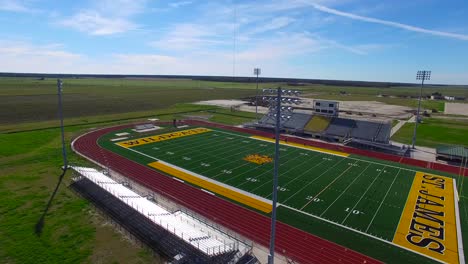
(29, 169)
(338, 186)
(434, 132)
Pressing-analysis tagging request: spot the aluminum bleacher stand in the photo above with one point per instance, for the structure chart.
(155, 237)
(340, 127)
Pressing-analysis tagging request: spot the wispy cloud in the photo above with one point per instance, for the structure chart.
(179, 4)
(16, 6)
(387, 22)
(95, 24)
(273, 24)
(106, 17)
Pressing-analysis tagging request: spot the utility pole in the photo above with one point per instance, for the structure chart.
(257, 71)
(60, 110)
(420, 75)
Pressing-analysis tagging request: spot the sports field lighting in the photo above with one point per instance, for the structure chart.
(423, 76)
(60, 110)
(281, 115)
(257, 71)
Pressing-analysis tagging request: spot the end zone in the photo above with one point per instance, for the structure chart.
(428, 224)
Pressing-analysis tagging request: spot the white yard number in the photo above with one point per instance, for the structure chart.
(205, 164)
(353, 211)
(186, 158)
(230, 138)
(326, 159)
(304, 154)
(245, 141)
(282, 189)
(252, 180)
(263, 145)
(282, 149)
(311, 198)
(226, 171)
(352, 164)
(155, 148)
(381, 170)
(170, 153)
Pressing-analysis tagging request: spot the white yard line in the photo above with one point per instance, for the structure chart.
(360, 232)
(376, 212)
(461, 253)
(205, 178)
(305, 186)
(326, 187)
(343, 192)
(364, 194)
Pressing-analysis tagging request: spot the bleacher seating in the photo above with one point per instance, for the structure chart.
(340, 127)
(296, 122)
(317, 124)
(209, 241)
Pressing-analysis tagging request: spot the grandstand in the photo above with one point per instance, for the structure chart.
(317, 124)
(328, 126)
(187, 236)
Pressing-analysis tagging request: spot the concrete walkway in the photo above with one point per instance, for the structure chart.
(397, 127)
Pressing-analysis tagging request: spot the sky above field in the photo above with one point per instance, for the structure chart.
(371, 40)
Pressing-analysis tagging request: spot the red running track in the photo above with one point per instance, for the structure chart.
(291, 242)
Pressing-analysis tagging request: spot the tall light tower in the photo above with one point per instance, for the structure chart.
(280, 113)
(423, 76)
(60, 110)
(257, 71)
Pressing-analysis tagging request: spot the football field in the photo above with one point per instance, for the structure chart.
(401, 206)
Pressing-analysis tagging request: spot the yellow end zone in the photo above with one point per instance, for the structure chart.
(213, 187)
(282, 142)
(162, 137)
(427, 224)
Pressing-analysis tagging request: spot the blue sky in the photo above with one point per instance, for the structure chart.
(327, 39)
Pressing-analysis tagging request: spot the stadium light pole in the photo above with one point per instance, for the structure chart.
(60, 110)
(257, 71)
(423, 76)
(277, 111)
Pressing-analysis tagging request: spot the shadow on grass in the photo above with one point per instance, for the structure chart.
(40, 223)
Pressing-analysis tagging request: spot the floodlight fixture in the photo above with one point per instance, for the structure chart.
(257, 71)
(423, 76)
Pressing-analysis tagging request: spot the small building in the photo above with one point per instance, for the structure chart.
(328, 108)
(453, 154)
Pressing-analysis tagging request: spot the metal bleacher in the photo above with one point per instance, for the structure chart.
(297, 121)
(340, 127)
(182, 234)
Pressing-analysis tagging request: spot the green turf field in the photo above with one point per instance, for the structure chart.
(360, 195)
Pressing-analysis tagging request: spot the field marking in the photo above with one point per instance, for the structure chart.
(343, 192)
(461, 252)
(207, 184)
(297, 145)
(326, 187)
(362, 196)
(360, 232)
(271, 170)
(385, 197)
(162, 137)
(428, 222)
(305, 186)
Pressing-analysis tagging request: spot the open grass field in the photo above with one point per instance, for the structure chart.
(36, 100)
(373, 199)
(435, 132)
(30, 158)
